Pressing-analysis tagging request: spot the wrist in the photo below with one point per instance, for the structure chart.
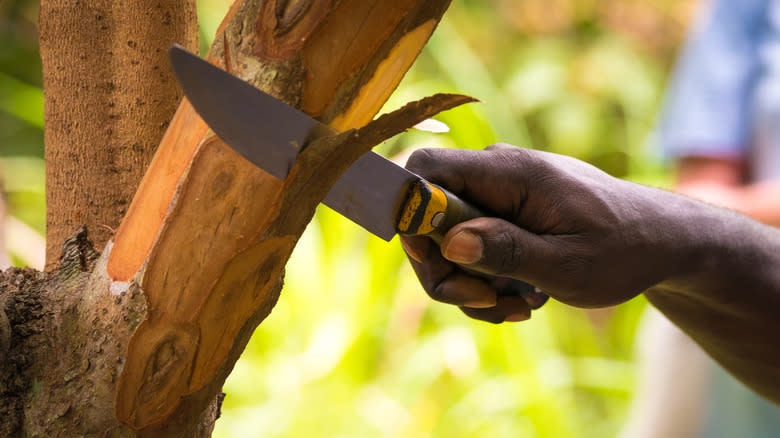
(676, 239)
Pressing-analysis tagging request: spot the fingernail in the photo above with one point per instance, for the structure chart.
(517, 317)
(485, 303)
(414, 253)
(464, 248)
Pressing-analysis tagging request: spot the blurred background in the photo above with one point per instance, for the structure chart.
(354, 348)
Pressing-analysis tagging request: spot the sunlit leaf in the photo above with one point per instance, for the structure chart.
(21, 100)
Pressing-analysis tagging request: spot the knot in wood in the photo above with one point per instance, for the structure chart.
(77, 252)
(288, 13)
(284, 25)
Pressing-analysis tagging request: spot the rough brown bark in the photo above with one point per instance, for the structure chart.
(109, 98)
(64, 350)
(109, 95)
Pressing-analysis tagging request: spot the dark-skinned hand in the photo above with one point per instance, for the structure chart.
(571, 230)
(590, 240)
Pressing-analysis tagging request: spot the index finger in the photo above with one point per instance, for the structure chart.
(486, 177)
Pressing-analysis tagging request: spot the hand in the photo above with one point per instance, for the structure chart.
(578, 234)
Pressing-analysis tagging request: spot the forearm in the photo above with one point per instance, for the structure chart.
(726, 292)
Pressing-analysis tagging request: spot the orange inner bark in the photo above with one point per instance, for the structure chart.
(330, 58)
(147, 211)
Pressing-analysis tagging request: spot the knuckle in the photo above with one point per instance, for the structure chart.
(499, 147)
(521, 164)
(421, 160)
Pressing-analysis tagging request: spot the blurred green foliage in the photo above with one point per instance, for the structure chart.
(21, 130)
(354, 348)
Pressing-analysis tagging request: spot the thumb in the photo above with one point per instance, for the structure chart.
(499, 248)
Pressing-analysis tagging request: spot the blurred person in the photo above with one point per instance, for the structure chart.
(721, 124)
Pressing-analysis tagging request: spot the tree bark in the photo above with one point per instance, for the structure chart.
(62, 348)
(109, 96)
(139, 340)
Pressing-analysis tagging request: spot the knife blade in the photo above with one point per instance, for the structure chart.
(377, 194)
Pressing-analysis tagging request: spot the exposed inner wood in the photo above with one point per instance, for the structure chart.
(208, 234)
(146, 214)
(388, 75)
(171, 340)
(330, 57)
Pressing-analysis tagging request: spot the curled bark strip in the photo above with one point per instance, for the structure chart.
(319, 166)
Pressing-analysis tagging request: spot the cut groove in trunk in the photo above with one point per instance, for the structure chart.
(208, 234)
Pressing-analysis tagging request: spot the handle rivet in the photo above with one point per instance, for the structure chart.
(437, 218)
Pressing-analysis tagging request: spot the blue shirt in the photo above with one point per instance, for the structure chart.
(724, 97)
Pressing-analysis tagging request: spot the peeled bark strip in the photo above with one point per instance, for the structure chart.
(208, 234)
(109, 94)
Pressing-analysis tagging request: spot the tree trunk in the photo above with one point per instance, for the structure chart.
(109, 96)
(140, 339)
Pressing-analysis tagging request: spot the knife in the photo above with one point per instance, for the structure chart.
(377, 194)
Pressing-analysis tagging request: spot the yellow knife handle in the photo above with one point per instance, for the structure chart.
(431, 211)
